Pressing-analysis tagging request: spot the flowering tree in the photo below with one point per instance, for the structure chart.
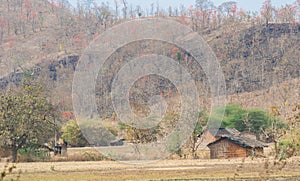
(286, 14)
(204, 11)
(227, 8)
(267, 11)
(233, 10)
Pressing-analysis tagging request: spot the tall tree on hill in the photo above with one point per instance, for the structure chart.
(287, 13)
(226, 7)
(203, 9)
(267, 11)
(116, 8)
(124, 9)
(204, 5)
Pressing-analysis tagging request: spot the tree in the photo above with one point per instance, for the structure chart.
(138, 136)
(72, 134)
(117, 8)
(204, 5)
(27, 119)
(204, 8)
(227, 7)
(226, 115)
(274, 133)
(287, 13)
(252, 120)
(267, 11)
(139, 11)
(124, 9)
(88, 4)
(193, 141)
(289, 144)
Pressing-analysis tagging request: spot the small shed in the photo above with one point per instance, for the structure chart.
(235, 146)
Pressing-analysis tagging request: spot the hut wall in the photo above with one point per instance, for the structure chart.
(226, 149)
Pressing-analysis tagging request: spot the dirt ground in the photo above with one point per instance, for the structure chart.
(234, 169)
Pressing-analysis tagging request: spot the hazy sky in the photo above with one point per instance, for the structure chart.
(248, 5)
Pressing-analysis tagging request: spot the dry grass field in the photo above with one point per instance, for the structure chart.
(234, 169)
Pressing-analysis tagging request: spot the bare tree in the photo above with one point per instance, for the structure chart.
(117, 8)
(132, 12)
(204, 5)
(157, 9)
(226, 7)
(203, 13)
(138, 11)
(194, 141)
(124, 9)
(152, 9)
(170, 11)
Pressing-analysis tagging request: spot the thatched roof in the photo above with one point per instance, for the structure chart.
(219, 132)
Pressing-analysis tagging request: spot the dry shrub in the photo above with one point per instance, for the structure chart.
(80, 154)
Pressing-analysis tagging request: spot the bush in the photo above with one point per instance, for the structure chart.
(33, 155)
(72, 134)
(81, 154)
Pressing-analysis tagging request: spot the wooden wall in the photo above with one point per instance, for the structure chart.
(227, 149)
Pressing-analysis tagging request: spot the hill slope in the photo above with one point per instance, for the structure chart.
(261, 63)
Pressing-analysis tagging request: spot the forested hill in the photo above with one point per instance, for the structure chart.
(256, 52)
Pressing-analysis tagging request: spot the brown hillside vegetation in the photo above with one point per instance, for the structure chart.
(42, 42)
(260, 62)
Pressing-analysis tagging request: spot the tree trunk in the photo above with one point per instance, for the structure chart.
(194, 154)
(276, 149)
(14, 153)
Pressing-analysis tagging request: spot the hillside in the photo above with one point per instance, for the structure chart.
(37, 31)
(261, 63)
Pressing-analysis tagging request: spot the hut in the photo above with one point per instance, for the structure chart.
(231, 146)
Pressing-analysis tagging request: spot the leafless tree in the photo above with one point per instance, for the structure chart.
(124, 9)
(117, 8)
(225, 7)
